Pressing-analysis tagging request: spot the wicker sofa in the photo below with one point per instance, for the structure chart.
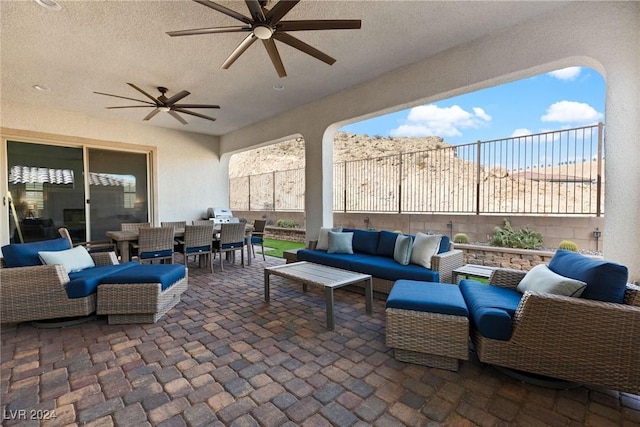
(39, 292)
(373, 253)
(592, 340)
(134, 293)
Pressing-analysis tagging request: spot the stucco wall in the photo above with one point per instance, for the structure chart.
(185, 167)
(601, 35)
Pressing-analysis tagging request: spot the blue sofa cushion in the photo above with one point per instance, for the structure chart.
(365, 242)
(333, 260)
(165, 274)
(26, 254)
(428, 297)
(444, 244)
(606, 281)
(491, 307)
(387, 269)
(85, 282)
(386, 243)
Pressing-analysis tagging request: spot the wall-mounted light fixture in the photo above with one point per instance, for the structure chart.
(450, 227)
(596, 234)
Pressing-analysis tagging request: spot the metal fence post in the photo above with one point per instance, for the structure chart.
(400, 183)
(249, 192)
(478, 159)
(599, 177)
(273, 190)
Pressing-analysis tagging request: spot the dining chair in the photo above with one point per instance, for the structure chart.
(90, 246)
(257, 237)
(202, 222)
(178, 225)
(155, 243)
(133, 227)
(197, 242)
(232, 239)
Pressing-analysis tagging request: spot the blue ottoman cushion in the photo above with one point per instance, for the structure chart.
(428, 297)
(165, 274)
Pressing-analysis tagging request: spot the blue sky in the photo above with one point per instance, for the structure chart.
(562, 99)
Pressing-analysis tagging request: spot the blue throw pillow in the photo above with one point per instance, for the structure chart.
(386, 243)
(26, 254)
(364, 242)
(606, 281)
(444, 244)
(340, 243)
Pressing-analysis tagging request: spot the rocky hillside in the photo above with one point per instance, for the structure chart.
(347, 146)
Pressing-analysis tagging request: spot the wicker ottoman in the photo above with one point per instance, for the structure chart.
(427, 324)
(141, 294)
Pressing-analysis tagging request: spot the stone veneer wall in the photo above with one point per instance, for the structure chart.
(517, 259)
(554, 229)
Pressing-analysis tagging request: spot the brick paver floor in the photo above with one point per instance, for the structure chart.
(223, 356)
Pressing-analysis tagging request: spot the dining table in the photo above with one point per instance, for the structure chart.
(123, 240)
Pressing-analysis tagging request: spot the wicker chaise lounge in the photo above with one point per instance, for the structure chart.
(39, 292)
(575, 339)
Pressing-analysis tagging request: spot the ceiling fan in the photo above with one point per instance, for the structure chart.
(267, 25)
(164, 104)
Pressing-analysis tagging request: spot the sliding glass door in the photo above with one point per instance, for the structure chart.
(48, 190)
(117, 190)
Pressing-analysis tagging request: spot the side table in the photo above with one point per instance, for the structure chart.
(472, 270)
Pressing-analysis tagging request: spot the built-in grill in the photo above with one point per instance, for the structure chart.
(221, 215)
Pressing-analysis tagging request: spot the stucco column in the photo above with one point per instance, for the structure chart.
(318, 198)
(622, 170)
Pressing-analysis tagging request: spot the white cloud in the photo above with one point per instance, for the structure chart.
(428, 120)
(566, 74)
(571, 112)
(520, 132)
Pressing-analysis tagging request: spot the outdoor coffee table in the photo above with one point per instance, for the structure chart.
(329, 278)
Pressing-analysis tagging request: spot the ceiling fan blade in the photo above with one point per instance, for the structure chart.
(270, 45)
(177, 97)
(302, 46)
(177, 117)
(151, 114)
(226, 11)
(255, 9)
(202, 116)
(248, 41)
(130, 106)
(195, 106)
(214, 30)
(155, 101)
(130, 99)
(278, 11)
(320, 24)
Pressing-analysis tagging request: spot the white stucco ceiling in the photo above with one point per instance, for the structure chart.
(101, 45)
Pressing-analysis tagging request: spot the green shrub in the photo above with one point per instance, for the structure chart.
(509, 238)
(286, 223)
(568, 245)
(460, 238)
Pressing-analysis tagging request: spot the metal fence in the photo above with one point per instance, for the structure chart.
(558, 172)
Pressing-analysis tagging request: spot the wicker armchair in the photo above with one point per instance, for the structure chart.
(574, 339)
(39, 292)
